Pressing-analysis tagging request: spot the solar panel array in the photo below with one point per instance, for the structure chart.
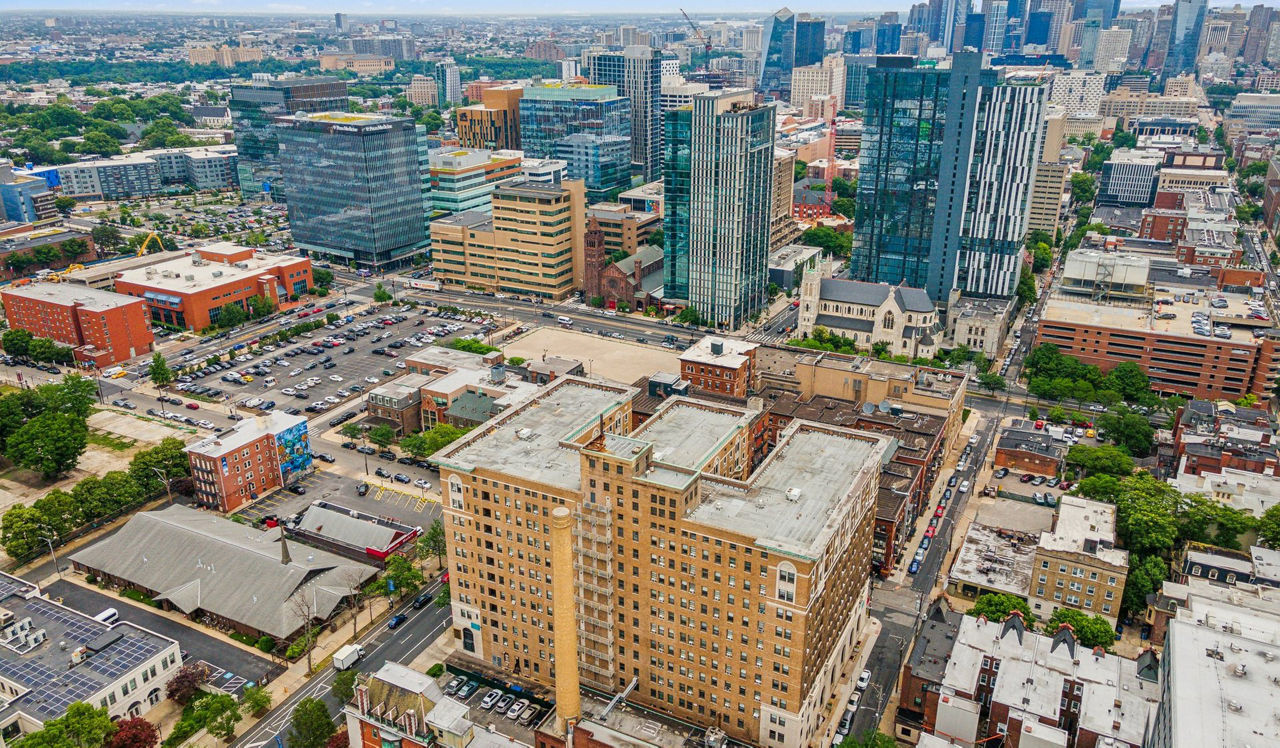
(77, 627)
(57, 695)
(123, 656)
(27, 672)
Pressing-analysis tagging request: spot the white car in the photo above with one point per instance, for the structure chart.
(964, 486)
(864, 680)
(295, 372)
(333, 400)
(288, 391)
(422, 483)
(371, 380)
(335, 378)
(400, 365)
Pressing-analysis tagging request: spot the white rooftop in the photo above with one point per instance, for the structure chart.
(190, 273)
(1088, 527)
(245, 432)
(91, 299)
(733, 352)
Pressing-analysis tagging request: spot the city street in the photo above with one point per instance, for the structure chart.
(402, 645)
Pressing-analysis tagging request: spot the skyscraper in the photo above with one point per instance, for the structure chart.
(952, 19)
(254, 107)
(717, 175)
(811, 35)
(945, 183)
(1184, 37)
(448, 82)
(551, 111)
(602, 162)
(997, 19)
(778, 55)
(637, 74)
(356, 187)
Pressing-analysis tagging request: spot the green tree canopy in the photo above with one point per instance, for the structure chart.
(998, 606)
(51, 444)
(311, 725)
(1105, 460)
(1091, 631)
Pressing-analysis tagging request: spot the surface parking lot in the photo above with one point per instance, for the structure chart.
(409, 504)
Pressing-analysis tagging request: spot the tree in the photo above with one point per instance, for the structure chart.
(1129, 430)
(50, 443)
(443, 596)
(344, 686)
(1129, 380)
(690, 316)
(1033, 412)
(402, 576)
(1100, 488)
(134, 732)
(1268, 527)
(382, 435)
(16, 342)
(870, 739)
(186, 683)
(429, 442)
(1146, 514)
(432, 542)
(380, 294)
(799, 171)
(998, 606)
(1105, 460)
(255, 700)
(655, 238)
(165, 458)
(1083, 188)
(352, 431)
(82, 726)
(1091, 631)
(223, 725)
(844, 206)
(991, 382)
(321, 277)
(59, 511)
(832, 242)
(340, 739)
(1145, 575)
(261, 306)
(1042, 258)
(311, 725)
(1057, 414)
(106, 236)
(1026, 290)
(99, 143)
(21, 530)
(161, 374)
(231, 315)
(64, 204)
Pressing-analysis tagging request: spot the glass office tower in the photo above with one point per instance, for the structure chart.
(551, 111)
(811, 40)
(778, 55)
(255, 105)
(717, 185)
(637, 74)
(602, 162)
(356, 188)
(1184, 37)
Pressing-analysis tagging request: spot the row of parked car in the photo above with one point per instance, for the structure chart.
(496, 700)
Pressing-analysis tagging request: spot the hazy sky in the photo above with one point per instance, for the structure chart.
(447, 7)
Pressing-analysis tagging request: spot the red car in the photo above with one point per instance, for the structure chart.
(1039, 424)
(939, 511)
(1026, 478)
(192, 406)
(929, 533)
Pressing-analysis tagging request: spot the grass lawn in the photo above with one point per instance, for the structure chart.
(103, 439)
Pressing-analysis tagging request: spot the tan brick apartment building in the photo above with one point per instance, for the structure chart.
(720, 366)
(1076, 563)
(731, 596)
(105, 328)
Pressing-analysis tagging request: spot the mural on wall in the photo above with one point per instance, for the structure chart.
(293, 447)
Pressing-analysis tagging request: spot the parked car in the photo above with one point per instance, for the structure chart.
(362, 489)
(864, 680)
(490, 698)
(453, 685)
(468, 689)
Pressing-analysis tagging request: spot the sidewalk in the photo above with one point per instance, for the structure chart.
(834, 708)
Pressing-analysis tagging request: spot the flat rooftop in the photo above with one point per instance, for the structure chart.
(68, 294)
(45, 670)
(687, 433)
(628, 726)
(1074, 310)
(38, 238)
(732, 355)
(1087, 527)
(789, 504)
(191, 272)
(526, 440)
(245, 432)
(994, 559)
(104, 270)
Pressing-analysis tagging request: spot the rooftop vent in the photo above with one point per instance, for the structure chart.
(717, 347)
(793, 494)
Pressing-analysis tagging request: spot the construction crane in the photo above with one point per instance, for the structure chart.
(706, 45)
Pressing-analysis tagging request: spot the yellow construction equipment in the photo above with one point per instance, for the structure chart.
(142, 248)
(58, 275)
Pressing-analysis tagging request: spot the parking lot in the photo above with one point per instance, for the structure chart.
(493, 709)
(409, 504)
(231, 667)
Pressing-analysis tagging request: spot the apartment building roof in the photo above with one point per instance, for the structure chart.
(992, 558)
(792, 502)
(90, 299)
(686, 432)
(1087, 527)
(245, 432)
(192, 273)
(732, 352)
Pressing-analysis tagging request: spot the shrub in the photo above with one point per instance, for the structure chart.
(436, 670)
(266, 644)
(244, 638)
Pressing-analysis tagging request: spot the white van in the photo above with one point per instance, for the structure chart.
(110, 615)
(564, 321)
(269, 382)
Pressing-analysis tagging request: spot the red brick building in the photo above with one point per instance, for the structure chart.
(189, 292)
(720, 366)
(1029, 452)
(259, 455)
(104, 328)
(1163, 225)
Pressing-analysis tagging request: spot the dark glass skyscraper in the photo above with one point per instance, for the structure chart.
(356, 191)
(717, 182)
(552, 111)
(254, 106)
(945, 183)
(811, 40)
(1184, 37)
(778, 55)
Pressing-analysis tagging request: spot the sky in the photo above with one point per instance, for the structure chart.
(384, 8)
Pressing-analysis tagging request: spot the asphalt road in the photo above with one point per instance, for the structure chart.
(900, 607)
(402, 645)
(232, 667)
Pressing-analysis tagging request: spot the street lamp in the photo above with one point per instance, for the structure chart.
(54, 555)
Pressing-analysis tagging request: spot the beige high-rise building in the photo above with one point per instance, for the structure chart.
(1055, 133)
(1045, 210)
(1112, 52)
(223, 56)
(724, 593)
(1183, 85)
(783, 229)
(1127, 104)
(823, 79)
(531, 245)
(495, 121)
(423, 91)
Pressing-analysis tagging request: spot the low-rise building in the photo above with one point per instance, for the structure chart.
(788, 264)
(1077, 564)
(104, 328)
(244, 463)
(357, 535)
(210, 568)
(720, 366)
(398, 404)
(189, 292)
(1029, 451)
(361, 65)
(148, 173)
(992, 560)
(25, 198)
(869, 313)
(980, 324)
(1174, 179)
(54, 655)
(624, 228)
